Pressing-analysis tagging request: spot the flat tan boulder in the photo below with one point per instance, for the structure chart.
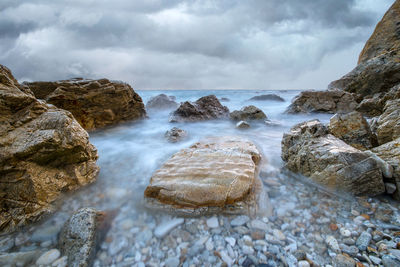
(218, 173)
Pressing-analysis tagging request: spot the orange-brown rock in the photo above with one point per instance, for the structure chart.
(43, 152)
(94, 103)
(386, 36)
(215, 174)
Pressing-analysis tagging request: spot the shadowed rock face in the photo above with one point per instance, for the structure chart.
(388, 125)
(205, 108)
(94, 103)
(248, 113)
(386, 36)
(43, 152)
(268, 97)
(161, 102)
(331, 101)
(216, 173)
(311, 151)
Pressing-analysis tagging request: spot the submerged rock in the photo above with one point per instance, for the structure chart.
(81, 235)
(205, 108)
(242, 125)
(331, 101)
(248, 113)
(175, 135)
(271, 97)
(352, 128)
(94, 103)
(388, 124)
(216, 174)
(161, 101)
(311, 151)
(43, 152)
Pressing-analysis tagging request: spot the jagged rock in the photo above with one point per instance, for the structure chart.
(388, 124)
(271, 97)
(205, 108)
(94, 103)
(216, 174)
(43, 152)
(352, 128)
(242, 125)
(386, 36)
(374, 105)
(310, 150)
(248, 113)
(390, 152)
(162, 102)
(331, 101)
(377, 75)
(175, 135)
(82, 234)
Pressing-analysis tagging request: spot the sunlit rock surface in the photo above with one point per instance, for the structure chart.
(43, 152)
(352, 128)
(218, 173)
(331, 101)
(94, 103)
(309, 149)
(388, 124)
(205, 108)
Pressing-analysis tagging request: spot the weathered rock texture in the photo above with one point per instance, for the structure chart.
(390, 152)
(311, 151)
(386, 36)
(205, 108)
(331, 101)
(248, 113)
(216, 173)
(175, 135)
(94, 103)
(81, 235)
(352, 128)
(268, 97)
(388, 124)
(43, 152)
(161, 102)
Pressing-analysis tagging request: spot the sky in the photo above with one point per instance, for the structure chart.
(196, 44)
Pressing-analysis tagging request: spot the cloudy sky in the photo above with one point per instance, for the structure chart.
(196, 44)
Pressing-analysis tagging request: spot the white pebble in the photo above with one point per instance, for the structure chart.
(48, 257)
(303, 264)
(164, 228)
(212, 222)
(231, 241)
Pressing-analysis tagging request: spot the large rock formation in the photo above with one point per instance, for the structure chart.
(390, 152)
(205, 108)
(388, 124)
(352, 128)
(386, 36)
(161, 102)
(248, 113)
(331, 101)
(212, 175)
(310, 150)
(82, 234)
(43, 152)
(94, 103)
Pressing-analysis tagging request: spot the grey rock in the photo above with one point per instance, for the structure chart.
(351, 250)
(242, 125)
(175, 135)
(267, 97)
(390, 188)
(240, 220)
(48, 257)
(363, 241)
(343, 261)
(248, 113)
(161, 102)
(172, 262)
(390, 261)
(19, 258)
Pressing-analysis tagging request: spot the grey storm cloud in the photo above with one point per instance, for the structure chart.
(271, 44)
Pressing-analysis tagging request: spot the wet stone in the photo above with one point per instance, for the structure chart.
(363, 241)
(6, 244)
(48, 257)
(240, 220)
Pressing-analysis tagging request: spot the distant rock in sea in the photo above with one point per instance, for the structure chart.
(205, 108)
(248, 113)
(94, 103)
(175, 135)
(267, 97)
(43, 152)
(161, 102)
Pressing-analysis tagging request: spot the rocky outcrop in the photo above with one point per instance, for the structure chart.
(377, 75)
(81, 236)
(388, 124)
(242, 125)
(94, 103)
(310, 150)
(386, 36)
(390, 152)
(248, 113)
(205, 108)
(331, 101)
(352, 128)
(161, 102)
(43, 152)
(216, 174)
(267, 97)
(175, 135)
